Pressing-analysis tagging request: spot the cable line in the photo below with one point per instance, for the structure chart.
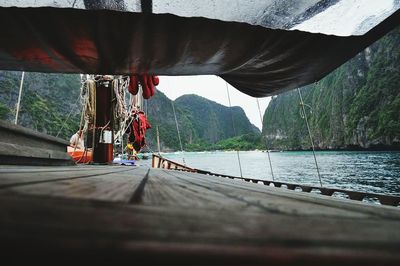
(234, 128)
(19, 97)
(309, 134)
(68, 117)
(266, 144)
(179, 134)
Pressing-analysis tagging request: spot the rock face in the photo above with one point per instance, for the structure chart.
(50, 104)
(355, 107)
(46, 103)
(202, 122)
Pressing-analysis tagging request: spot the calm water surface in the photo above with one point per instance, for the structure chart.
(377, 172)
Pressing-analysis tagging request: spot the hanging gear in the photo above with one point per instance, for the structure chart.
(148, 83)
(133, 85)
(137, 130)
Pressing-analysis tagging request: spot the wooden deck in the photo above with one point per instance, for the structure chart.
(124, 215)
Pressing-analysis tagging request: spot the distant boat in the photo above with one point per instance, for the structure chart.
(273, 150)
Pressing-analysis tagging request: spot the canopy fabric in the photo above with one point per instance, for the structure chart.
(337, 17)
(256, 60)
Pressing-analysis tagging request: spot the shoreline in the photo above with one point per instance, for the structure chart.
(297, 150)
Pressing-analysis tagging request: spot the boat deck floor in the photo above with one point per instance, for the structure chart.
(120, 214)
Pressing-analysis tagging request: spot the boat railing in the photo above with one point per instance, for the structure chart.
(391, 200)
(161, 162)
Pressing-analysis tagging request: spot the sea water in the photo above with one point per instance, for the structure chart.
(377, 172)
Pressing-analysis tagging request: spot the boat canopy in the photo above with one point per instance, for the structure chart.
(261, 47)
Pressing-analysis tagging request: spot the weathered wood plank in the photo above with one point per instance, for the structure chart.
(165, 189)
(19, 145)
(260, 197)
(124, 231)
(281, 197)
(30, 176)
(185, 218)
(111, 184)
(26, 168)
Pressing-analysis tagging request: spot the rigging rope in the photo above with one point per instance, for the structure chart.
(266, 143)
(92, 110)
(85, 97)
(19, 97)
(69, 115)
(234, 128)
(156, 123)
(179, 134)
(309, 134)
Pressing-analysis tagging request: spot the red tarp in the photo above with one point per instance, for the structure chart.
(256, 60)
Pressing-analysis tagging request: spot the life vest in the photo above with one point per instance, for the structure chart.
(148, 83)
(137, 130)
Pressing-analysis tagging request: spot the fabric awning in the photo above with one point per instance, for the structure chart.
(257, 60)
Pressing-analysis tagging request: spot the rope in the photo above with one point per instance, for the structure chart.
(234, 128)
(309, 134)
(86, 99)
(69, 115)
(156, 122)
(266, 143)
(92, 92)
(119, 88)
(179, 134)
(19, 97)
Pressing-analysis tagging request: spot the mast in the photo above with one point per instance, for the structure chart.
(102, 127)
(19, 97)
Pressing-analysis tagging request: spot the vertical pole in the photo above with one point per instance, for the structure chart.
(266, 144)
(147, 6)
(158, 141)
(19, 97)
(234, 128)
(115, 82)
(94, 106)
(177, 129)
(309, 134)
(122, 144)
(103, 152)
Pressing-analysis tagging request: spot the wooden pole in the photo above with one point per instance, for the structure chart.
(103, 151)
(19, 97)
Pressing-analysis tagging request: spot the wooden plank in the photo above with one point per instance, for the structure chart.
(175, 234)
(27, 168)
(19, 145)
(32, 175)
(165, 189)
(111, 184)
(185, 218)
(268, 195)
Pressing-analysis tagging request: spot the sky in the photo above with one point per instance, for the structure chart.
(346, 18)
(213, 88)
(352, 13)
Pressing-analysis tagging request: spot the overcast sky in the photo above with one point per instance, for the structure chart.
(213, 88)
(343, 18)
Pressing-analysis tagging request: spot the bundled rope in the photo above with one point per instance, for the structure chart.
(120, 85)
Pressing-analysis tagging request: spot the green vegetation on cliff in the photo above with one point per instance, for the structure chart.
(46, 102)
(203, 124)
(356, 106)
(49, 99)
